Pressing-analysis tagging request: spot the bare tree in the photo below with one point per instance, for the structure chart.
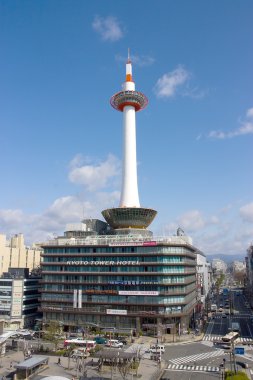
(124, 367)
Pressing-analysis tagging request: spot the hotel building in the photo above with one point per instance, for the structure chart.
(131, 282)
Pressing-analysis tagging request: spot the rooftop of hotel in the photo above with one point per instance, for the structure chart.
(119, 240)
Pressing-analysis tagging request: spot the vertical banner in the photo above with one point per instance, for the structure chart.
(17, 298)
(75, 299)
(79, 298)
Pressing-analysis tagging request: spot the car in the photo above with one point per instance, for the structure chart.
(76, 354)
(100, 340)
(114, 343)
(223, 315)
(242, 364)
(157, 348)
(123, 340)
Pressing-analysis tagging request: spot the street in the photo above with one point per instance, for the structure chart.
(206, 358)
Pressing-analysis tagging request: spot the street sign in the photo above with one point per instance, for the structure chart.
(239, 350)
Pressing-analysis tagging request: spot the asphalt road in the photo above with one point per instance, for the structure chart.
(219, 324)
(197, 360)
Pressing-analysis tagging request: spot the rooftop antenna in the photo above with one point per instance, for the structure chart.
(128, 55)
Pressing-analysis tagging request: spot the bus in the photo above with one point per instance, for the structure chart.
(88, 344)
(230, 337)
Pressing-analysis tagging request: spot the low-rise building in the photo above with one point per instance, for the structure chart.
(19, 299)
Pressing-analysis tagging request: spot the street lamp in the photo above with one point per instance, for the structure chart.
(224, 366)
(221, 372)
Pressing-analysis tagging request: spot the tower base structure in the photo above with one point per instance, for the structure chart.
(129, 217)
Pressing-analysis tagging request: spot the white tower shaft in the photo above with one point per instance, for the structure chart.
(129, 191)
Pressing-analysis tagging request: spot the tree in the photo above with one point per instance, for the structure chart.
(53, 333)
(124, 367)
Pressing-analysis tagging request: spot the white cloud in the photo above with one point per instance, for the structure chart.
(191, 220)
(223, 233)
(246, 128)
(108, 28)
(168, 84)
(11, 217)
(96, 176)
(246, 212)
(249, 113)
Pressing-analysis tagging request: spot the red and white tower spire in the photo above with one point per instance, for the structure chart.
(129, 102)
(129, 215)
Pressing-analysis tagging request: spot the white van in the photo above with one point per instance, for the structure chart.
(114, 343)
(157, 348)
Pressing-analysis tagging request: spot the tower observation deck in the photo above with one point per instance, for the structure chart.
(129, 214)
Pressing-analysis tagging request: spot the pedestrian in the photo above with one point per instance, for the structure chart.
(59, 361)
(11, 365)
(92, 362)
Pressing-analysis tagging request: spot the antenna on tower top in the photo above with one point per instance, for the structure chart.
(128, 55)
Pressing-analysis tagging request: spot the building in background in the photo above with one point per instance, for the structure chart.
(219, 266)
(203, 280)
(14, 254)
(19, 295)
(249, 274)
(238, 266)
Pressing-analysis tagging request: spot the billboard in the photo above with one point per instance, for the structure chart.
(116, 312)
(137, 293)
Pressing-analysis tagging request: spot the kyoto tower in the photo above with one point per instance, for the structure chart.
(129, 214)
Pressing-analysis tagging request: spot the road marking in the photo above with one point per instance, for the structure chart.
(197, 357)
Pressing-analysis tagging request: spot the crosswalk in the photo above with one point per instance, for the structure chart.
(193, 368)
(197, 357)
(215, 338)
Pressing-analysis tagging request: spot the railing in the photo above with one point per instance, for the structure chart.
(120, 240)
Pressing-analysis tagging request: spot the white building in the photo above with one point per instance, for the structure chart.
(219, 266)
(203, 277)
(238, 266)
(14, 254)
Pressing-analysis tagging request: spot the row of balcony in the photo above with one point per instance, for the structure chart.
(138, 263)
(139, 313)
(115, 292)
(86, 273)
(81, 282)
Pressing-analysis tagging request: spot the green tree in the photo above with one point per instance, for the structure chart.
(53, 333)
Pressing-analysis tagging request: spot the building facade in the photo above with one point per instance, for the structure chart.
(14, 254)
(219, 266)
(19, 299)
(119, 281)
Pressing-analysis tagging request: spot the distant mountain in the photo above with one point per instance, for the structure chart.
(226, 258)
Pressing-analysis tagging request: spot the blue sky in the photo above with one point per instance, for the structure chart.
(60, 156)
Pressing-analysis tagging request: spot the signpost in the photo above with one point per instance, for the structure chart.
(239, 351)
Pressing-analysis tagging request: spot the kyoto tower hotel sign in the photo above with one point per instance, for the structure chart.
(129, 214)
